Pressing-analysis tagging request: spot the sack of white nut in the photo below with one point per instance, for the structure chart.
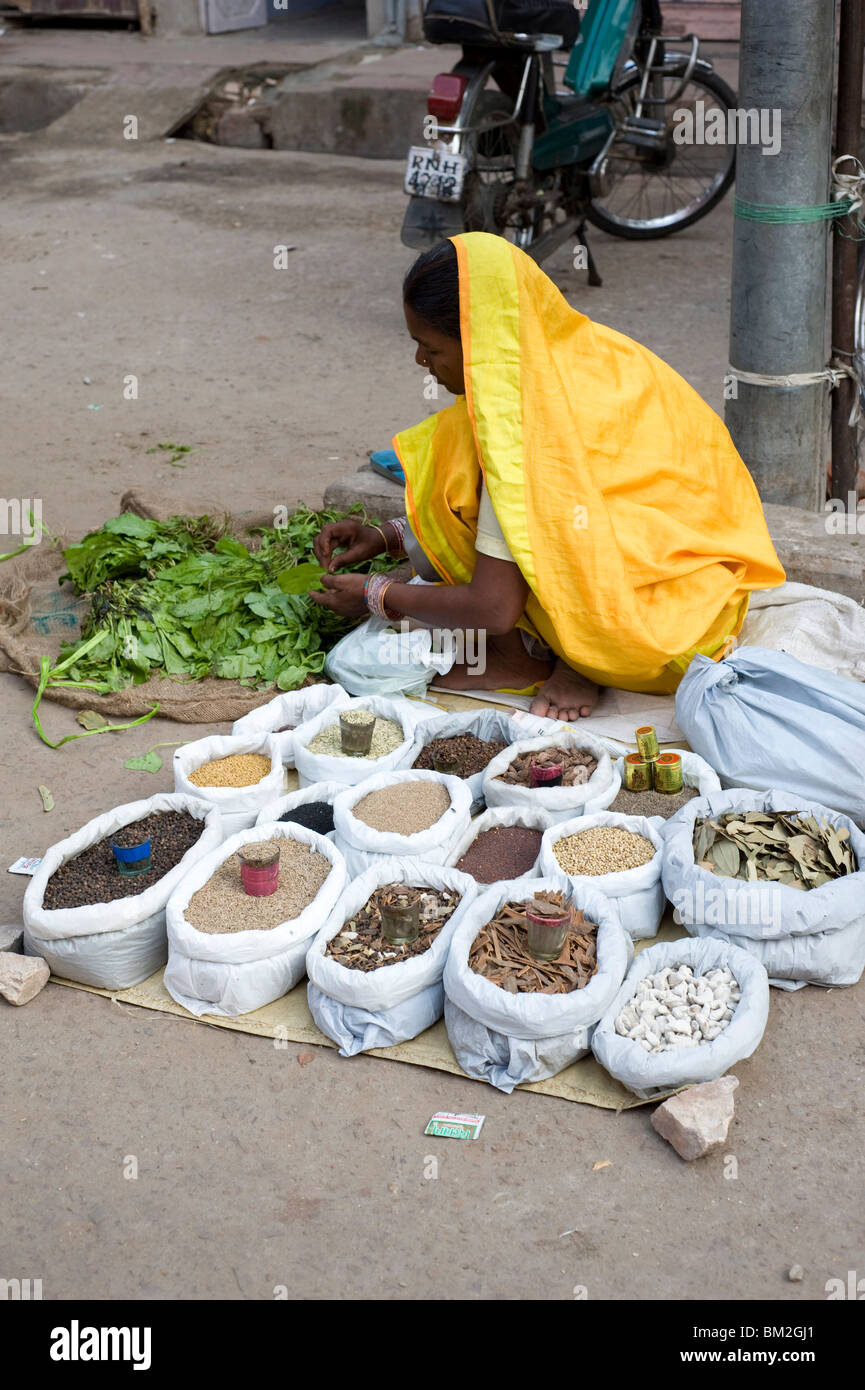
(621, 856)
(525, 1021)
(687, 1011)
(365, 992)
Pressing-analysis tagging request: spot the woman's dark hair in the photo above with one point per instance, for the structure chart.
(432, 289)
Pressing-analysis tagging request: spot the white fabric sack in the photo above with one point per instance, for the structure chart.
(316, 791)
(651, 1074)
(486, 724)
(763, 719)
(378, 1008)
(638, 893)
(232, 973)
(531, 817)
(117, 944)
(291, 707)
(507, 1038)
(238, 806)
(562, 802)
(815, 937)
(363, 846)
(696, 772)
(817, 626)
(321, 767)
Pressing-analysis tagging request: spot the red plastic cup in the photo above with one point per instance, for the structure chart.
(259, 880)
(545, 776)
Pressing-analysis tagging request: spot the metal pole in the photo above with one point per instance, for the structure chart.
(778, 314)
(848, 123)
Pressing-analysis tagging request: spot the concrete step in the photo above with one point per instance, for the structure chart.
(809, 552)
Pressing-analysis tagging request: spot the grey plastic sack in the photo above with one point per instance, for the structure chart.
(815, 937)
(763, 719)
(650, 1074)
(378, 1008)
(507, 1038)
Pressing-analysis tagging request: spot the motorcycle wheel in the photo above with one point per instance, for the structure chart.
(489, 185)
(644, 202)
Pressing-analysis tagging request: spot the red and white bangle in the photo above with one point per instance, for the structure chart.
(374, 590)
(399, 524)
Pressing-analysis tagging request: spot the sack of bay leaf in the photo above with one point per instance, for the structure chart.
(803, 935)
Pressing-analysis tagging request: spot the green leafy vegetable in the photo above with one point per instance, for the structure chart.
(183, 598)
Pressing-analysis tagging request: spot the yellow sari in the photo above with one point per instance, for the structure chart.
(630, 514)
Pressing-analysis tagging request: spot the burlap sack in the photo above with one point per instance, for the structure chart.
(36, 616)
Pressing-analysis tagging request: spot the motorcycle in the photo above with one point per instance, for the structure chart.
(528, 143)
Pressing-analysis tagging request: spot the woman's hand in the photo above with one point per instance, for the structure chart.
(342, 592)
(361, 543)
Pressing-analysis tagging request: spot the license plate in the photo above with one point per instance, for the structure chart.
(435, 174)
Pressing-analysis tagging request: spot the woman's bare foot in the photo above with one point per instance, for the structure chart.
(565, 695)
(504, 665)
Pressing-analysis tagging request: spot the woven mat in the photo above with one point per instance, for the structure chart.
(289, 1019)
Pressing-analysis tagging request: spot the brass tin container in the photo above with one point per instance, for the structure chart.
(667, 773)
(638, 773)
(647, 743)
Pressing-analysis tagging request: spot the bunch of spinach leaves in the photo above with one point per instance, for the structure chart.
(186, 599)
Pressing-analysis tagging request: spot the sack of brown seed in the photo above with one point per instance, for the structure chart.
(430, 813)
(237, 801)
(390, 1003)
(227, 965)
(508, 1038)
(499, 858)
(118, 943)
(650, 1072)
(489, 725)
(624, 866)
(562, 802)
(802, 935)
(294, 708)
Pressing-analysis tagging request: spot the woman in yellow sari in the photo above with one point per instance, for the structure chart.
(579, 504)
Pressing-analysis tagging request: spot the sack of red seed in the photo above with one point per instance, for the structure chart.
(100, 926)
(511, 1019)
(365, 991)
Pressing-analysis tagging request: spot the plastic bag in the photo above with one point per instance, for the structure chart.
(376, 658)
(322, 767)
(507, 1038)
(231, 973)
(487, 724)
(638, 893)
(763, 719)
(533, 818)
(650, 1074)
(238, 806)
(562, 802)
(816, 626)
(362, 845)
(378, 1008)
(815, 937)
(117, 944)
(292, 707)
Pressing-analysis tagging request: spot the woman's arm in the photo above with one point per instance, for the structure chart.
(493, 601)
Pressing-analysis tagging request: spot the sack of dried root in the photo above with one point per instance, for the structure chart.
(511, 1019)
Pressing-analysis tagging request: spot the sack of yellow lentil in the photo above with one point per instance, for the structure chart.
(237, 773)
(623, 862)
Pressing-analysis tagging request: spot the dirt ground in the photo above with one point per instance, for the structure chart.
(157, 261)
